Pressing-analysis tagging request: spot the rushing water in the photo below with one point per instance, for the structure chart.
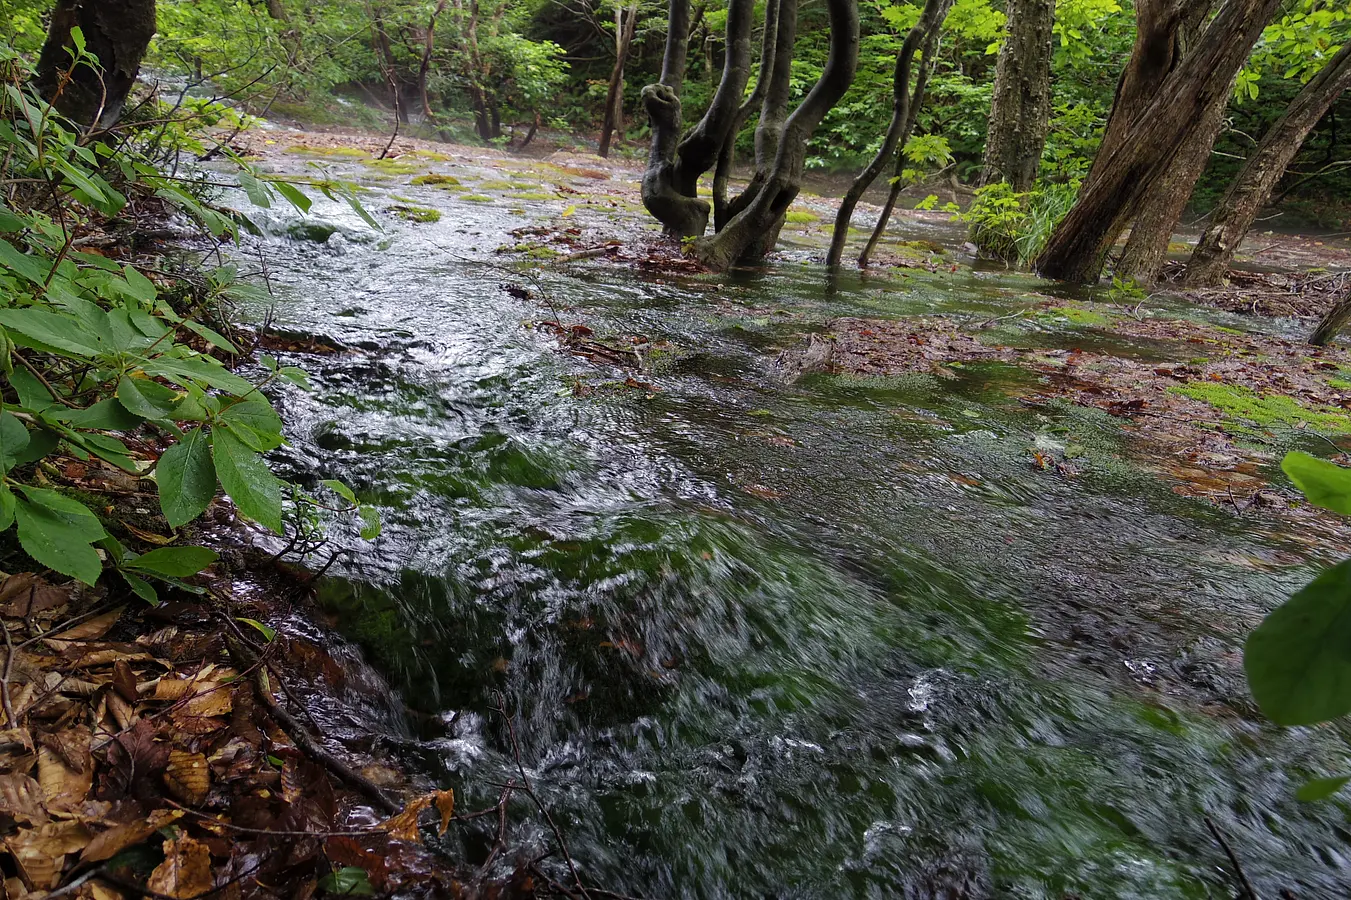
(833, 639)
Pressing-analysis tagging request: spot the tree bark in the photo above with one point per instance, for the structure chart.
(116, 33)
(625, 26)
(670, 183)
(1125, 174)
(722, 172)
(747, 235)
(1331, 324)
(1252, 186)
(1020, 112)
(425, 64)
(928, 62)
(276, 10)
(930, 20)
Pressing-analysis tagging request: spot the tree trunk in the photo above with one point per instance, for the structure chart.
(1252, 186)
(1020, 112)
(670, 183)
(930, 20)
(276, 10)
(928, 62)
(425, 65)
(1331, 324)
(723, 170)
(1125, 174)
(116, 33)
(614, 96)
(745, 238)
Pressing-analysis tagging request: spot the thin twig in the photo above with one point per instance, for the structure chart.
(4, 679)
(1233, 860)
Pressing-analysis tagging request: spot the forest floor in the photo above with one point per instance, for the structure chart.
(1212, 386)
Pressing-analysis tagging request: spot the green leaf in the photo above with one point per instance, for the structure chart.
(6, 507)
(214, 338)
(296, 376)
(1297, 661)
(257, 191)
(255, 423)
(269, 634)
(106, 415)
(197, 368)
(1321, 788)
(293, 195)
(187, 479)
(13, 440)
(46, 330)
(372, 527)
(22, 264)
(57, 532)
(145, 398)
(176, 562)
(142, 588)
(1325, 484)
(33, 394)
(139, 287)
(340, 489)
(247, 479)
(347, 880)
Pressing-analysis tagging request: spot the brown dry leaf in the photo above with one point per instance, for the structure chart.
(90, 658)
(188, 777)
(65, 767)
(25, 594)
(110, 843)
(121, 710)
(41, 852)
(10, 737)
(21, 799)
(445, 805)
(404, 826)
(124, 681)
(90, 630)
(185, 872)
(100, 891)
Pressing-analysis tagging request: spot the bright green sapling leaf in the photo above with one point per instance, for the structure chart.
(1324, 483)
(57, 532)
(1297, 660)
(1321, 788)
(247, 479)
(187, 479)
(175, 562)
(13, 440)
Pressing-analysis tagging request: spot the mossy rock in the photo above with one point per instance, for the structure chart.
(392, 166)
(352, 152)
(315, 230)
(495, 185)
(922, 246)
(432, 155)
(1075, 315)
(477, 198)
(800, 217)
(420, 214)
(436, 180)
(533, 195)
(1244, 405)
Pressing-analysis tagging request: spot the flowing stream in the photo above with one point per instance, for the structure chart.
(829, 639)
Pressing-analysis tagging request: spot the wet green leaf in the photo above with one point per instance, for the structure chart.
(247, 479)
(13, 440)
(348, 880)
(175, 562)
(1325, 484)
(1321, 788)
(269, 633)
(57, 532)
(187, 479)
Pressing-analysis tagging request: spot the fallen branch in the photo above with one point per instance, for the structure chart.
(1244, 883)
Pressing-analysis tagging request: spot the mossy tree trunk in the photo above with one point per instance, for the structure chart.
(1130, 169)
(116, 33)
(1332, 323)
(1020, 111)
(930, 21)
(1251, 188)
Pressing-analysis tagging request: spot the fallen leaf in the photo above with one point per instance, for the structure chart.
(404, 827)
(445, 805)
(89, 630)
(187, 777)
(24, 594)
(185, 872)
(41, 852)
(110, 843)
(21, 799)
(65, 767)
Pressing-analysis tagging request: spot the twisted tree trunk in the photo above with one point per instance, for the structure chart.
(116, 33)
(1251, 188)
(1020, 112)
(722, 172)
(1125, 174)
(930, 20)
(743, 238)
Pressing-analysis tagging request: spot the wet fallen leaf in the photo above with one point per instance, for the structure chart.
(187, 777)
(110, 843)
(21, 799)
(445, 805)
(185, 872)
(65, 767)
(89, 630)
(404, 826)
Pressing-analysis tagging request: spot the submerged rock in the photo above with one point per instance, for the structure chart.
(817, 356)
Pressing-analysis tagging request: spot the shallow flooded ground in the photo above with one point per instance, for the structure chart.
(844, 636)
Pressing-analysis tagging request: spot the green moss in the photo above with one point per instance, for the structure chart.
(801, 217)
(477, 198)
(534, 195)
(922, 246)
(1075, 315)
(495, 186)
(1339, 384)
(392, 166)
(542, 253)
(413, 213)
(1245, 405)
(432, 155)
(436, 180)
(353, 152)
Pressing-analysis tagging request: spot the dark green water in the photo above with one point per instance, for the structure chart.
(835, 639)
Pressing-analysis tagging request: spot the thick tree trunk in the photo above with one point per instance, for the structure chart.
(626, 22)
(745, 238)
(1125, 174)
(116, 33)
(425, 64)
(928, 61)
(670, 184)
(1020, 112)
(930, 20)
(723, 171)
(276, 10)
(1332, 323)
(1252, 187)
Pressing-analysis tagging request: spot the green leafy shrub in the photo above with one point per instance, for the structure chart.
(1015, 226)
